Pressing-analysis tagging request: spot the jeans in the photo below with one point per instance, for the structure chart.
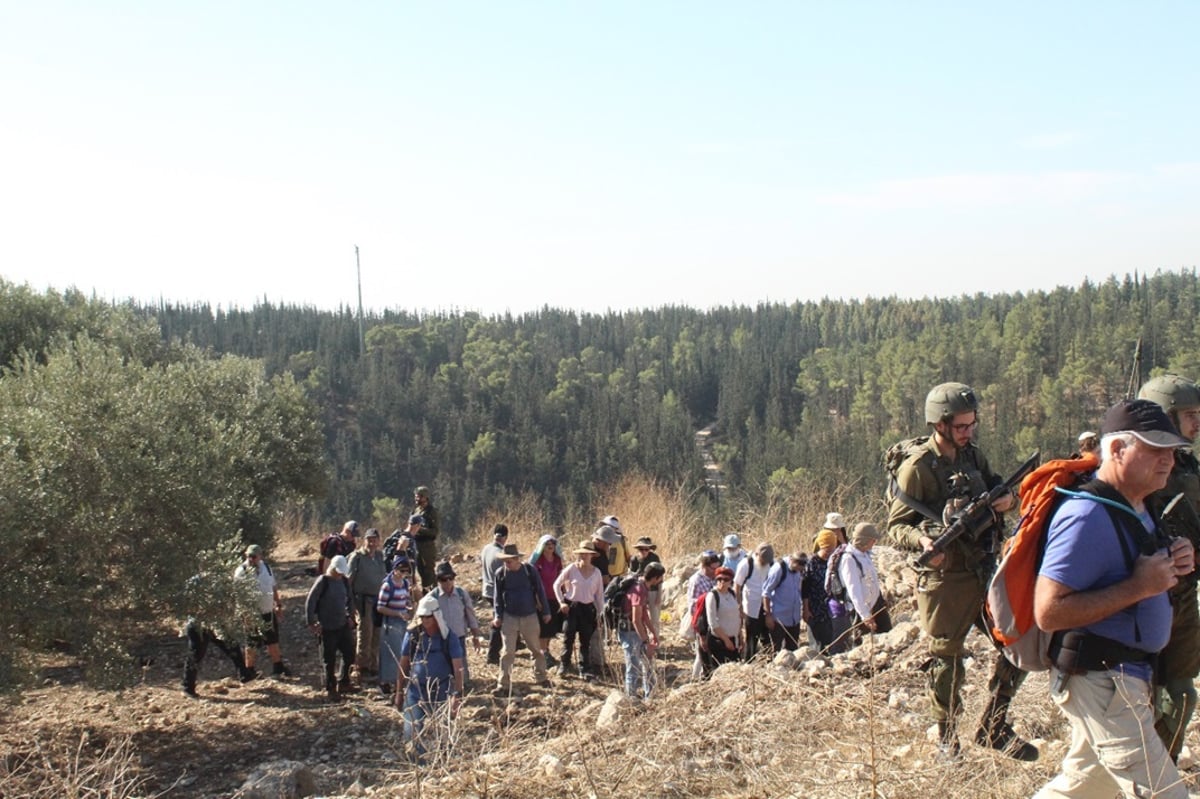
(637, 665)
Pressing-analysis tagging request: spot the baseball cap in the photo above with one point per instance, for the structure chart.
(1145, 420)
(340, 565)
(1085, 435)
(733, 541)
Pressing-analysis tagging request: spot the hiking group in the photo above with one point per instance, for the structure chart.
(1095, 584)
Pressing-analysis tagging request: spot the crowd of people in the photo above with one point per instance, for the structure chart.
(1123, 618)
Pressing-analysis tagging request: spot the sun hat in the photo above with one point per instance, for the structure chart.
(834, 521)
(586, 548)
(428, 606)
(340, 565)
(612, 522)
(253, 549)
(864, 532)
(605, 533)
(510, 551)
(645, 543)
(1085, 435)
(733, 541)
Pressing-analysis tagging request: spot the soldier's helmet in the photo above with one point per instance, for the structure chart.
(1171, 392)
(944, 401)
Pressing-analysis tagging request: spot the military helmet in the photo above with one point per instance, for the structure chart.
(948, 399)
(1172, 392)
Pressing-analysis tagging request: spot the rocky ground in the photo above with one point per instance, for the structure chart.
(851, 726)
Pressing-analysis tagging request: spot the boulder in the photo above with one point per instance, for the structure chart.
(279, 779)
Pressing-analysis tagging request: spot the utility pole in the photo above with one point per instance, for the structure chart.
(362, 339)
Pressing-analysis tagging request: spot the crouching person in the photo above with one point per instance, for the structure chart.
(431, 665)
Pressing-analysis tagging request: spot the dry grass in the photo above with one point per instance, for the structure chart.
(70, 769)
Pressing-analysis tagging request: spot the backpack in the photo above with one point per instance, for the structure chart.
(1009, 605)
(615, 616)
(700, 612)
(834, 587)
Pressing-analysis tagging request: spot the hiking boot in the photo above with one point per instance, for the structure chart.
(248, 675)
(1005, 740)
(948, 749)
(346, 687)
(331, 694)
(281, 670)
(190, 690)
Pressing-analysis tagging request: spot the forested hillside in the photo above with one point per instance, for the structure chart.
(557, 403)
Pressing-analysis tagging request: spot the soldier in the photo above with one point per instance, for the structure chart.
(426, 537)
(951, 591)
(1179, 662)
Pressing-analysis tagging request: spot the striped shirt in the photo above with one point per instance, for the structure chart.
(396, 596)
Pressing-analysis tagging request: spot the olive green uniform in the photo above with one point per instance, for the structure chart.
(427, 548)
(1179, 662)
(950, 598)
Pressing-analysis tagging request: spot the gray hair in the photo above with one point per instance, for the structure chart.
(1106, 443)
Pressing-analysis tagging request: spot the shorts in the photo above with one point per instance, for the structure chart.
(267, 633)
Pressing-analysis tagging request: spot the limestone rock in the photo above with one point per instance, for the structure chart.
(279, 779)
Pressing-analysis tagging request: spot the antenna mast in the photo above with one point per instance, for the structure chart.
(362, 340)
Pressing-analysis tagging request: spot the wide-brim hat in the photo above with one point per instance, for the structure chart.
(586, 548)
(645, 543)
(835, 521)
(510, 551)
(606, 534)
(1144, 419)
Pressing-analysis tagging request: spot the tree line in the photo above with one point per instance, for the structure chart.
(555, 402)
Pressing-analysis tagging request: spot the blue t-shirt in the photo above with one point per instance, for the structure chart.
(431, 672)
(1083, 553)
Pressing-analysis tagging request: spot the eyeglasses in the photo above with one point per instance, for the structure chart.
(445, 579)
(722, 579)
(965, 428)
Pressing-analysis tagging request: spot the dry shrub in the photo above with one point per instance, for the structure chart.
(69, 769)
(670, 516)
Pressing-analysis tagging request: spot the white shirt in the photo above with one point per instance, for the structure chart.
(858, 574)
(266, 584)
(751, 585)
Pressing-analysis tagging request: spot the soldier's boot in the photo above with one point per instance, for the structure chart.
(948, 749)
(996, 733)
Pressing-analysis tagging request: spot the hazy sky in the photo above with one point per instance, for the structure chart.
(506, 155)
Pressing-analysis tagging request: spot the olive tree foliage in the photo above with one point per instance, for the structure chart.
(122, 477)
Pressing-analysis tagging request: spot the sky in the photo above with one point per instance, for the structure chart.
(505, 156)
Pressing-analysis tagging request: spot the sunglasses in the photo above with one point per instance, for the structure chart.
(445, 579)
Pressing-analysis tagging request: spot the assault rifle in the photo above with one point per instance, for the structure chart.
(978, 514)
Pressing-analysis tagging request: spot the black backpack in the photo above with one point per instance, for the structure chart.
(615, 616)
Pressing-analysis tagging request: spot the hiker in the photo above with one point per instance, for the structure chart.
(749, 577)
(732, 553)
(836, 524)
(1179, 662)
(826, 635)
(638, 639)
(934, 476)
(521, 609)
(1103, 591)
(367, 572)
(782, 604)
(724, 619)
(546, 561)
(646, 554)
(329, 610)
(199, 638)
(457, 612)
(270, 608)
(1089, 443)
(432, 671)
(489, 557)
(699, 584)
(426, 536)
(339, 543)
(618, 551)
(605, 539)
(401, 542)
(861, 579)
(394, 604)
(580, 595)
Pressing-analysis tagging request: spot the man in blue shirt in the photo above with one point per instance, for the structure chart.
(520, 602)
(1101, 590)
(432, 666)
